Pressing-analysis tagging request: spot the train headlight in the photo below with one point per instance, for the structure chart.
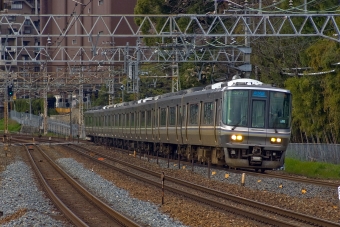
(275, 140)
(238, 138)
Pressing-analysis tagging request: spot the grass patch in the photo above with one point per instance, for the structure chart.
(13, 126)
(312, 169)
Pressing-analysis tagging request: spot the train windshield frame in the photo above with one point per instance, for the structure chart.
(280, 110)
(257, 108)
(235, 107)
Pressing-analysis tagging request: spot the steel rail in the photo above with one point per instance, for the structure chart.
(286, 213)
(117, 216)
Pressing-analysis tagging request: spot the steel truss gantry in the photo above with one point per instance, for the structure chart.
(207, 38)
(199, 38)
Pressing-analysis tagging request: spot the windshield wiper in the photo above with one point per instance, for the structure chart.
(236, 125)
(275, 124)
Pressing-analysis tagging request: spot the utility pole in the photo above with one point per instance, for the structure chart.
(70, 101)
(81, 102)
(81, 89)
(45, 100)
(136, 76)
(6, 106)
(45, 85)
(247, 40)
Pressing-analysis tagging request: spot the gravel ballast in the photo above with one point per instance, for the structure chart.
(21, 202)
(143, 212)
(309, 199)
(276, 185)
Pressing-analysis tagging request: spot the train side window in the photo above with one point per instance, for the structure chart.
(137, 119)
(172, 118)
(163, 117)
(208, 113)
(127, 120)
(142, 120)
(193, 114)
(179, 115)
(132, 120)
(184, 115)
(148, 118)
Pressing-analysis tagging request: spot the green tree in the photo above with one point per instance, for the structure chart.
(103, 97)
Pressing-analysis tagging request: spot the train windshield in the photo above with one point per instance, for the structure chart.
(235, 108)
(257, 109)
(280, 110)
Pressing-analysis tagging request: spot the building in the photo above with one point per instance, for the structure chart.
(62, 7)
(42, 63)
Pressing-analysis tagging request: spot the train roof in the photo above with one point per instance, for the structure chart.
(236, 82)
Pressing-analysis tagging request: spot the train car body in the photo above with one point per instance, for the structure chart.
(241, 123)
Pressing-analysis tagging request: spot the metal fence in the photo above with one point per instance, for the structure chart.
(329, 153)
(54, 126)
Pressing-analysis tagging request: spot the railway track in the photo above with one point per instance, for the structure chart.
(248, 208)
(31, 139)
(271, 174)
(75, 202)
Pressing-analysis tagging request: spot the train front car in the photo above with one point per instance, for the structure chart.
(256, 122)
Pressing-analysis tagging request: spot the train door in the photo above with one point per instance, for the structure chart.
(186, 110)
(167, 123)
(258, 110)
(178, 111)
(142, 125)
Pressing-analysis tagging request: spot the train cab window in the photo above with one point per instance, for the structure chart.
(235, 107)
(148, 118)
(172, 117)
(208, 113)
(193, 114)
(132, 120)
(142, 119)
(280, 110)
(163, 117)
(258, 113)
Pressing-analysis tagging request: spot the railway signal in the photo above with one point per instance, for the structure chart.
(10, 90)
